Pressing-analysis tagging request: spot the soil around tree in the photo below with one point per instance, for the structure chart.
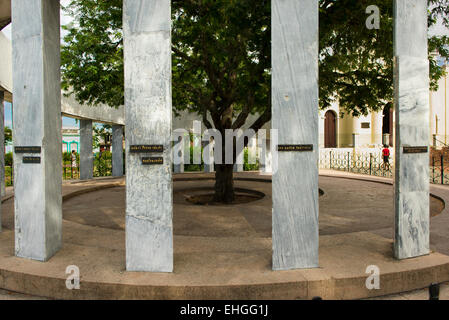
(206, 197)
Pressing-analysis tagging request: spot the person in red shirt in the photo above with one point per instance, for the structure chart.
(386, 156)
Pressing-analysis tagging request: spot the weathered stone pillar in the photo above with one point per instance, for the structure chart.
(86, 152)
(179, 147)
(2, 152)
(412, 129)
(37, 124)
(238, 167)
(295, 116)
(208, 156)
(2, 148)
(117, 151)
(265, 157)
(148, 110)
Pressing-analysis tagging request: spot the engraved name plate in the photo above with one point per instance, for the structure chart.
(295, 147)
(415, 149)
(149, 161)
(29, 149)
(31, 159)
(146, 148)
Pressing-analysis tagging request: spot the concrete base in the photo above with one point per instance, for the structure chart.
(210, 264)
(234, 273)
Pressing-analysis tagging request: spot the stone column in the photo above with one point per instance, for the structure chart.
(37, 123)
(295, 116)
(209, 155)
(412, 129)
(265, 158)
(148, 113)
(2, 152)
(117, 151)
(376, 128)
(2, 148)
(86, 153)
(238, 167)
(179, 168)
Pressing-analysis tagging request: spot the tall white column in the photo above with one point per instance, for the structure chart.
(117, 151)
(208, 156)
(86, 152)
(148, 111)
(2, 152)
(295, 116)
(2, 149)
(37, 123)
(412, 129)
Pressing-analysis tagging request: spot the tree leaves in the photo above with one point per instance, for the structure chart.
(222, 56)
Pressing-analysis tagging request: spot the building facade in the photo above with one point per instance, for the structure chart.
(340, 130)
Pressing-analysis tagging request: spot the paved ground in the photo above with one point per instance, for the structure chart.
(347, 207)
(417, 294)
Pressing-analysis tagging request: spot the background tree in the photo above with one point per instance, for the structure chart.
(8, 136)
(221, 59)
(101, 133)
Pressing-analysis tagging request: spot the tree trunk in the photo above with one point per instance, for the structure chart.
(224, 183)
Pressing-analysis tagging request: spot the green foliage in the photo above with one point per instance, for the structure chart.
(67, 157)
(356, 64)
(102, 132)
(222, 62)
(249, 166)
(8, 159)
(103, 164)
(92, 60)
(190, 167)
(8, 136)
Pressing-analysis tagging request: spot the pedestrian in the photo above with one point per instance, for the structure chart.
(386, 157)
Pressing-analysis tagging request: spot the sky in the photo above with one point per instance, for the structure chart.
(438, 29)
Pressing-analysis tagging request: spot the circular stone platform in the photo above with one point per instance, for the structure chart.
(222, 252)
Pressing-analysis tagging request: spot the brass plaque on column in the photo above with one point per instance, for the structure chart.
(31, 159)
(148, 161)
(415, 149)
(295, 147)
(28, 149)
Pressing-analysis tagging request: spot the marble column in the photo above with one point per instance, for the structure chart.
(2, 152)
(295, 117)
(411, 78)
(86, 152)
(117, 151)
(238, 167)
(376, 128)
(148, 113)
(37, 123)
(265, 157)
(208, 156)
(2, 149)
(179, 147)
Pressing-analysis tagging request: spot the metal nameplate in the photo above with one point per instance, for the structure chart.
(29, 149)
(415, 149)
(146, 148)
(152, 161)
(31, 159)
(295, 147)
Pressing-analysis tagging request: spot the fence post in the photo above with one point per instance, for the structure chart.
(349, 159)
(433, 169)
(442, 170)
(370, 163)
(330, 160)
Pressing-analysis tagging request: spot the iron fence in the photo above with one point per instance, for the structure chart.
(370, 163)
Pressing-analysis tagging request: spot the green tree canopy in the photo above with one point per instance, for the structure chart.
(222, 59)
